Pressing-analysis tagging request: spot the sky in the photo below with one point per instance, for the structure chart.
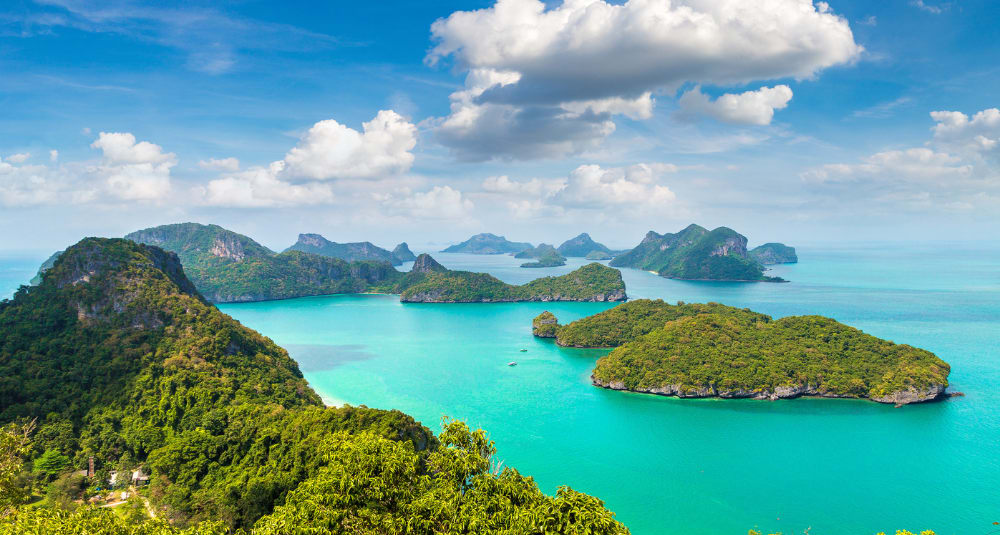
(426, 122)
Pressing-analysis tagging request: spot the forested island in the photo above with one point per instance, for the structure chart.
(774, 253)
(713, 350)
(354, 251)
(228, 267)
(696, 253)
(582, 246)
(115, 357)
(403, 253)
(545, 255)
(487, 243)
(430, 282)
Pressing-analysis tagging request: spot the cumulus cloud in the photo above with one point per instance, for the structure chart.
(19, 158)
(897, 165)
(978, 135)
(331, 150)
(220, 164)
(328, 151)
(260, 187)
(586, 188)
(578, 64)
(440, 202)
(750, 107)
(128, 170)
(133, 170)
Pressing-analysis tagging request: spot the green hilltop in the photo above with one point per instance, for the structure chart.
(117, 357)
(713, 350)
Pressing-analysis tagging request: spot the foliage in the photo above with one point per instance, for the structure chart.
(628, 321)
(538, 252)
(51, 463)
(545, 325)
(749, 353)
(128, 364)
(695, 253)
(547, 259)
(774, 253)
(15, 445)
(593, 282)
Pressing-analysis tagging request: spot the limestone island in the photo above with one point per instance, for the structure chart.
(487, 243)
(713, 350)
(546, 256)
(403, 253)
(774, 253)
(582, 246)
(351, 252)
(696, 253)
(599, 255)
(430, 282)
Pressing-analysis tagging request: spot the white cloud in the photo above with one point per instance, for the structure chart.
(53, 155)
(921, 5)
(750, 107)
(331, 150)
(535, 187)
(133, 170)
(565, 72)
(19, 158)
(591, 186)
(440, 202)
(260, 187)
(978, 135)
(220, 164)
(910, 165)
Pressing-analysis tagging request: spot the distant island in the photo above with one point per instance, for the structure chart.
(120, 365)
(712, 350)
(488, 244)
(227, 267)
(582, 246)
(403, 253)
(430, 282)
(696, 253)
(599, 255)
(546, 256)
(316, 244)
(774, 253)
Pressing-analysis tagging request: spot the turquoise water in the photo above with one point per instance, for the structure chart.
(694, 466)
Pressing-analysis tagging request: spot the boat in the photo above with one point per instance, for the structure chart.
(512, 363)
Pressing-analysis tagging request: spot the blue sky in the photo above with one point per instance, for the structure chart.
(787, 120)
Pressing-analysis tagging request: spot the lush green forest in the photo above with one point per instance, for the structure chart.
(743, 354)
(547, 259)
(229, 267)
(429, 282)
(695, 253)
(774, 253)
(116, 356)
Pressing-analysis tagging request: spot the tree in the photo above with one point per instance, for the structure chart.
(51, 463)
(15, 444)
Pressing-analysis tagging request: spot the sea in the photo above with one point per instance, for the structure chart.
(688, 466)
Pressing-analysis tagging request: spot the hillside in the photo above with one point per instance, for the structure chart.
(430, 282)
(695, 253)
(229, 267)
(487, 243)
(545, 255)
(582, 246)
(351, 252)
(121, 360)
(537, 252)
(774, 253)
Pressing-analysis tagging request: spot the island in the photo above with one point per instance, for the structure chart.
(430, 282)
(487, 243)
(48, 263)
(403, 253)
(228, 267)
(774, 253)
(119, 364)
(712, 350)
(582, 246)
(696, 253)
(351, 252)
(546, 256)
(599, 255)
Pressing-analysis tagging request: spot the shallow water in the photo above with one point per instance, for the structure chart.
(691, 466)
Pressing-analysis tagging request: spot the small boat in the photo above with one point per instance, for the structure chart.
(524, 351)
(512, 363)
